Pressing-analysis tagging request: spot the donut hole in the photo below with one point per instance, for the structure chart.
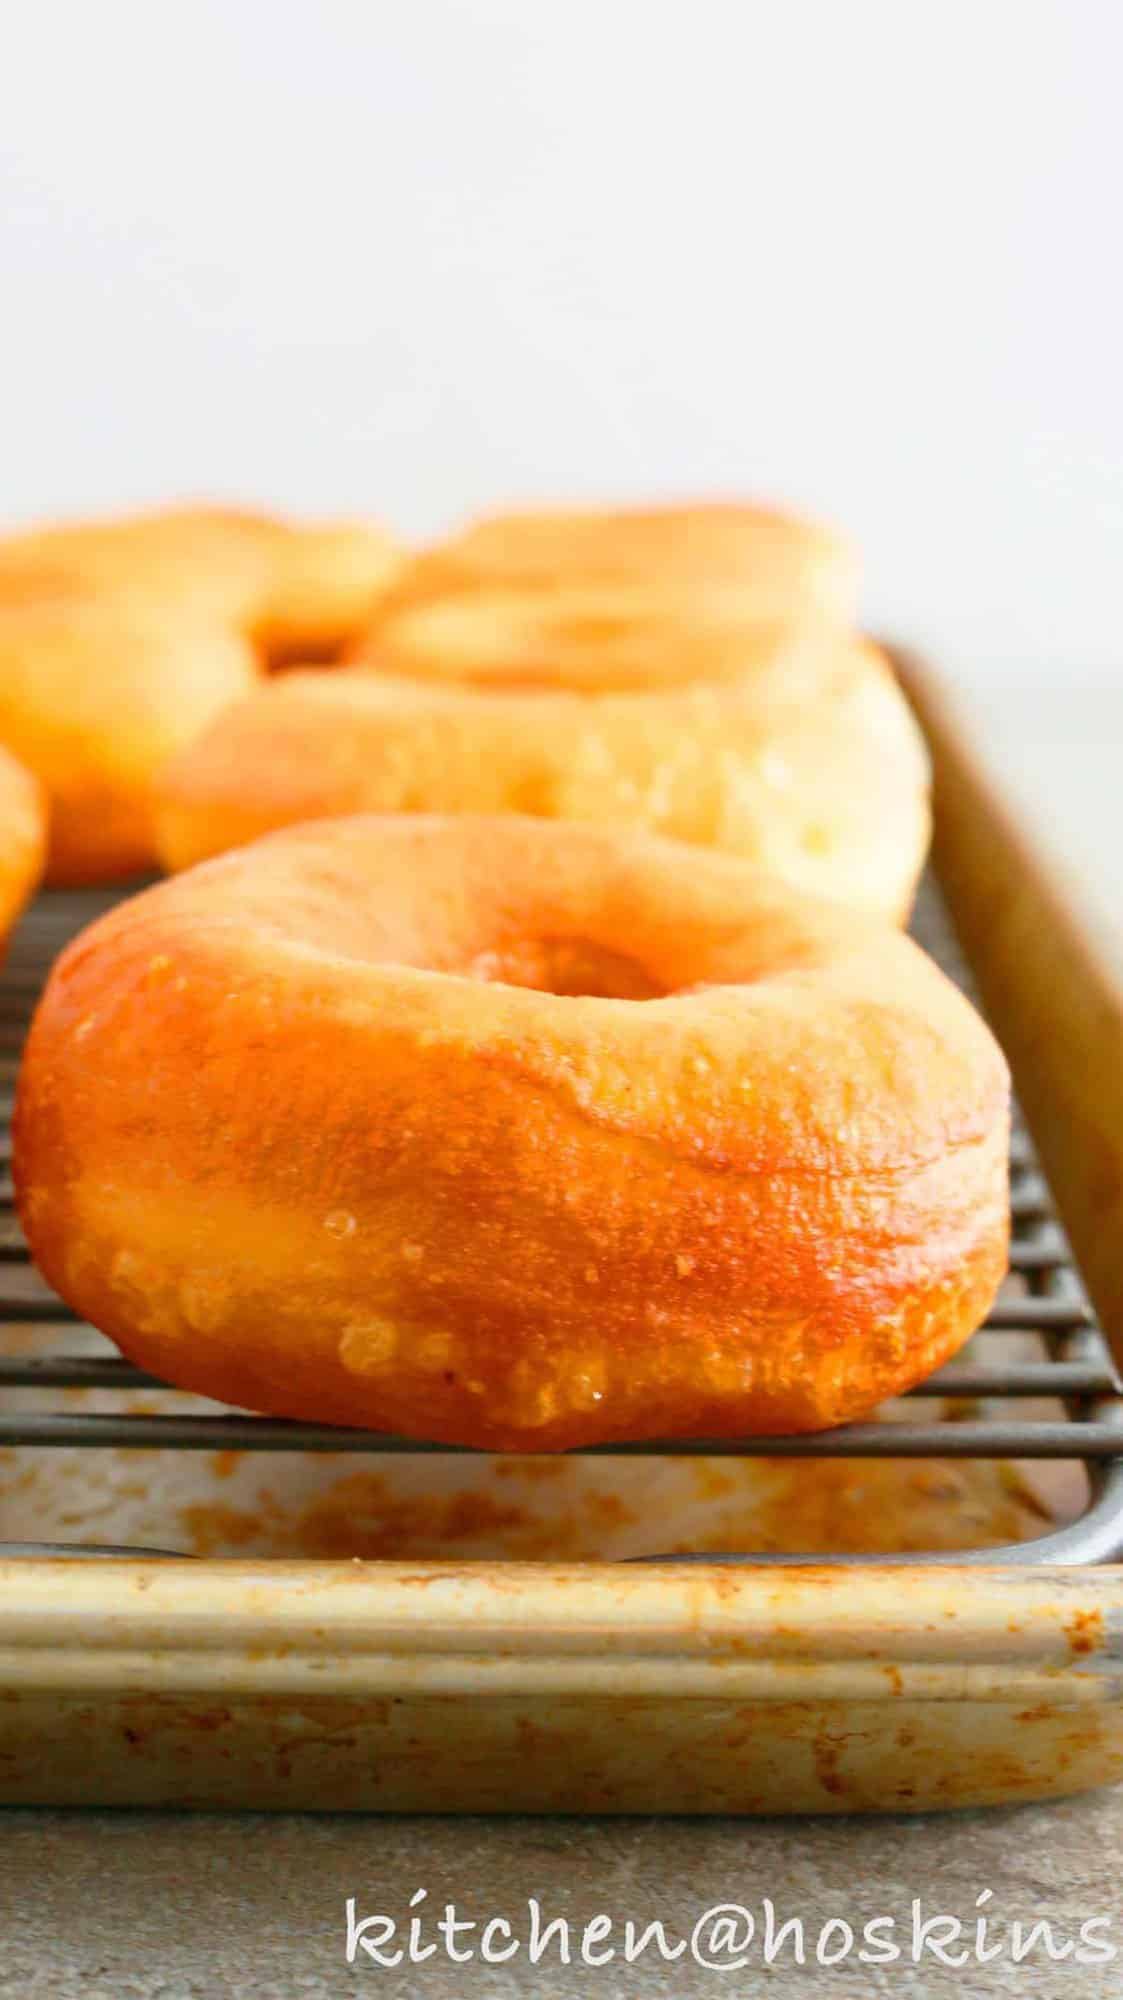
(572, 967)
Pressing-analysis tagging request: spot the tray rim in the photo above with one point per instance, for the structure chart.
(806, 1632)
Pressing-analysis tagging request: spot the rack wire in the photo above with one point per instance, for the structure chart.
(967, 1410)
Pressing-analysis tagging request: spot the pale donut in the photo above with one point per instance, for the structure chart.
(23, 840)
(324, 1128)
(325, 583)
(95, 695)
(213, 561)
(779, 564)
(299, 590)
(791, 747)
(120, 638)
(608, 639)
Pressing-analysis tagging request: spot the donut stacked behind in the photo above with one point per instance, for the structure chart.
(23, 840)
(95, 695)
(778, 564)
(790, 745)
(296, 590)
(120, 640)
(601, 639)
(146, 626)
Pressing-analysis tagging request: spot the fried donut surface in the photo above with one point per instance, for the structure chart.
(214, 561)
(610, 639)
(120, 639)
(95, 695)
(324, 584)
(779, 563)
(791, 746)
(23, 840)
(297, 589)
(513, 1135)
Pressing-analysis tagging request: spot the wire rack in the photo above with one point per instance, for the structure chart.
(980, 1406)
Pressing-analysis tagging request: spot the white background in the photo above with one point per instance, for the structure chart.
(417, 257)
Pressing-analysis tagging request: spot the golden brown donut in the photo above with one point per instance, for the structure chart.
(215, 561)
(608, 639)
(324, 585)
(297, 589)
(778, 563)
(95, 695)
(793, 747)
(512, 1135)
(23, 840)
(119, 639)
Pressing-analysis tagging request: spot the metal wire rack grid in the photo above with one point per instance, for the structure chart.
(1046, 1299)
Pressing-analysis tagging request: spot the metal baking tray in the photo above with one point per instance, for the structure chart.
(912, 1611)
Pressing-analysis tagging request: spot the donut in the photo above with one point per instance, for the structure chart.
(23, 840)
(324, 584)
(298, 590)
(515, 1136)
(791, 747)
(777, 563)
(120, 639)
(609, 639)
(215, 561)
(95, 695)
